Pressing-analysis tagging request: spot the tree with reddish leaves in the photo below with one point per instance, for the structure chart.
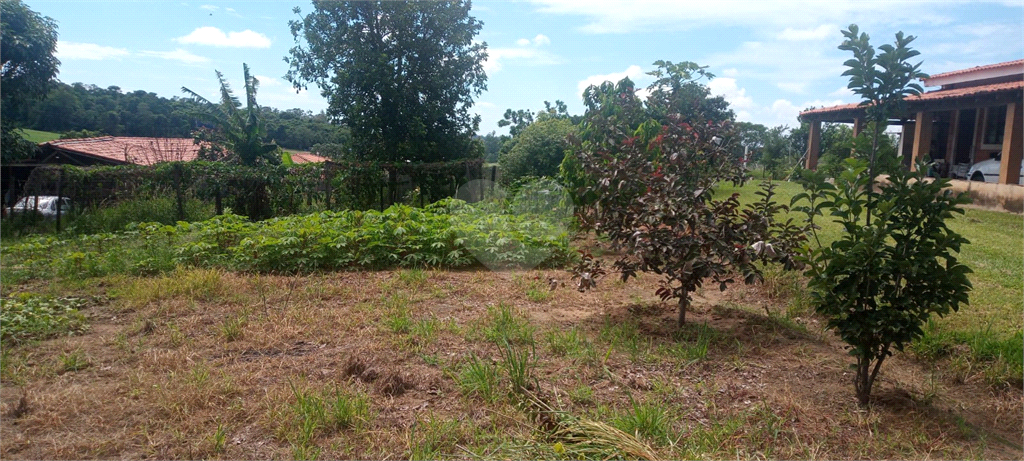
(654, 199)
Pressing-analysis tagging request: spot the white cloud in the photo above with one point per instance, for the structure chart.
(176, 55)
(625, 16)
(737, 97)
(842, 92)
(267, 81)
(792, 87)
(822, 32)
(730, 72)
(213, 36)
(209, 7)
(69, 51)
(539, 40)
(783, 112)
(527, 51)
(634, 73)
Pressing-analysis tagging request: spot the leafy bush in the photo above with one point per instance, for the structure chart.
(894, 266)
(449, 233)
(538, 150)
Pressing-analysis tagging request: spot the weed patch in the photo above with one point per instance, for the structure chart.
(32, 317)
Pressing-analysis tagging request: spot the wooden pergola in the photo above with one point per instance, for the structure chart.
(975, 114)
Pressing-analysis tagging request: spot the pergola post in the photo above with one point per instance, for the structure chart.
(858, 126)
(1009, 166)
(922, 138)
(813, 145)
(907, 144)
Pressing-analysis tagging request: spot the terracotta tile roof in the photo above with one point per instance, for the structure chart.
(306, 157)
(139, 151)
(144, 151)
(1016, 63)
(936, 95)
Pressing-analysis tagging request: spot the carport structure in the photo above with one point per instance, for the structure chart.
(975, 114)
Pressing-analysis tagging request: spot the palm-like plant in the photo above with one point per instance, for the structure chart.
(238, 130)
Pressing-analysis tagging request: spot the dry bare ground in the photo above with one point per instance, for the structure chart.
(209, 364)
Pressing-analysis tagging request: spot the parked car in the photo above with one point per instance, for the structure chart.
(988, 170)
(45, 205)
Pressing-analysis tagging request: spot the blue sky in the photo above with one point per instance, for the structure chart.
(770, 58)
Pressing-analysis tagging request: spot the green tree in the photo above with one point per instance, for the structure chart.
(401, 75)
(239, 131)
(895, 264)
(27, 48)
(539, 150)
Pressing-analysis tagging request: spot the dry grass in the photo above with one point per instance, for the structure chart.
(745, 379)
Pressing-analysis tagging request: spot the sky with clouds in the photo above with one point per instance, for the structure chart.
(770, 59)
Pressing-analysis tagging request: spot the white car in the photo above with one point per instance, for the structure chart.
(988, 171)
(45, 205)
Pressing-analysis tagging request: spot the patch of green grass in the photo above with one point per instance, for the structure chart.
(693, 341)
(233, 328)
(519, 364)
(29, 316)
(570, 343)
(426, 329)
(999, 359)
(480, 378)
(582, 395)
(433, 438)
(625, 336)
(74, 361)
(645, 421)
(504, 323)
(36, 136)
(316, 413)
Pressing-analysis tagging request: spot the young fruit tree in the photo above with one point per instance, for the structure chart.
(895, 263)
(654, 198)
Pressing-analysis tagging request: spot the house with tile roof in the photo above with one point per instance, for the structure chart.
(973, 115)
(109, 151)
(118, 150)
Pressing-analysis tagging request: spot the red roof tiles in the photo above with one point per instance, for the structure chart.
(138, 151)
(936, 95)
(145, 151)
(1008, 64)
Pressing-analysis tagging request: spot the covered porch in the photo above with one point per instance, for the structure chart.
(976, 114)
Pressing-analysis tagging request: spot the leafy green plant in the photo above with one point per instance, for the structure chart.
(896, 263)
(880, 282)
(29, 316)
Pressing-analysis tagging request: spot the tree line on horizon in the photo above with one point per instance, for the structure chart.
(88, 110)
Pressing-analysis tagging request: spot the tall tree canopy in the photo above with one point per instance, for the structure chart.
(401, 75)
(27, 48)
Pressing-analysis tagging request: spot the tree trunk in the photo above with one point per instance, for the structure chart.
(683, 303)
